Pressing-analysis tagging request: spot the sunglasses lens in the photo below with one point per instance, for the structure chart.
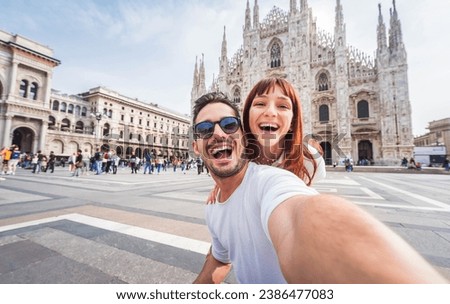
(204, 129)
(229, 124)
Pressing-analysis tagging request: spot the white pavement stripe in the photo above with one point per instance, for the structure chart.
(372, 194)
(402, 207)
(413, 195)
(146, 234)
(346, 182)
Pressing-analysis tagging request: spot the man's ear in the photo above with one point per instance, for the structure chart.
(195, 147)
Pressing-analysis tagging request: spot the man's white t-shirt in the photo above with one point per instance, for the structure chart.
(239, 226)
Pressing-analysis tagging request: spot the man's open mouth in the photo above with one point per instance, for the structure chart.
(221, 152)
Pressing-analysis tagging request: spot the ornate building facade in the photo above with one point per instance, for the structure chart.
(354, 105)
(35, 117)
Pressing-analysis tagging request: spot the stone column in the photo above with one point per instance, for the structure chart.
(7, 131)
(12, 79)
(43, 132)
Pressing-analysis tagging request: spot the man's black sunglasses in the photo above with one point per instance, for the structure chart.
(205, 129)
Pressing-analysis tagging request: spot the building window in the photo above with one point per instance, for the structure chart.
(131, 119)
(122, 118)
(110, 113)
(106, 128)
(70, 109)
(65, 125)
(79, 127)
(34, 91)
(275, 55)
(363, 109)
(324, 113)
(77, 110)
(55, 106)
(121, 134)
(23, 90)
(323, 82)
(63, 107)
(83, 111)
(51, 122)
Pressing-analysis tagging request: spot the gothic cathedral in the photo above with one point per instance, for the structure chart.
(355, 106)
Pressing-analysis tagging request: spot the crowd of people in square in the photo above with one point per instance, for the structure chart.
(104, 161)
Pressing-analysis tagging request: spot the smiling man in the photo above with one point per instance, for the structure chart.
(275, 229)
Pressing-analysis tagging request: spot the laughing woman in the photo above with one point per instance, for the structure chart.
(273, 124)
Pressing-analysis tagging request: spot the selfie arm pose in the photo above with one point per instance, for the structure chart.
(274, 229)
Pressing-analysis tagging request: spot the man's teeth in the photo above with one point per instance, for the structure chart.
(221, 149)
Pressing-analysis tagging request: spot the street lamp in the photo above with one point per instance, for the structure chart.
(98, 116)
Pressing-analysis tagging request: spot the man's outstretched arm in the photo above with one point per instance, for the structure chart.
(213, 271)
(326, 239)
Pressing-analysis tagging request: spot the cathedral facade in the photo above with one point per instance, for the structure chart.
(355, 106)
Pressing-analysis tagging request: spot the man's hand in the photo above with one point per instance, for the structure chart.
(213, 271)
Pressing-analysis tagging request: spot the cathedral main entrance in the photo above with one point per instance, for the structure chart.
(326, 147)
(23, 137)
(365, 152)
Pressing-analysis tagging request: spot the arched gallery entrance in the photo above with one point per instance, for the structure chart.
(24, 138)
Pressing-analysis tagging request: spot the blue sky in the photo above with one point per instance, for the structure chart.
(146, 49)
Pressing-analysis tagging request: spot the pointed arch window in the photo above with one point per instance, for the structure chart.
(324, 113)
(275, 55)
(34, 91)
(363, 109)
(237, 96)
(23, 89)
(323, 82)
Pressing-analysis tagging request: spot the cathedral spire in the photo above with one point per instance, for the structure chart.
(224, 44)
(195, 81)
(223, 61)
(256, 15)
(339, 28)
(293, 7)
(194, 91)
(395, 31)
(201, 76)
(381, 31)
(303, 5)
(248, 22)
(339, 16)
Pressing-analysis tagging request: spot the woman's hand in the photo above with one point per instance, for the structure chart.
(212, 195)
